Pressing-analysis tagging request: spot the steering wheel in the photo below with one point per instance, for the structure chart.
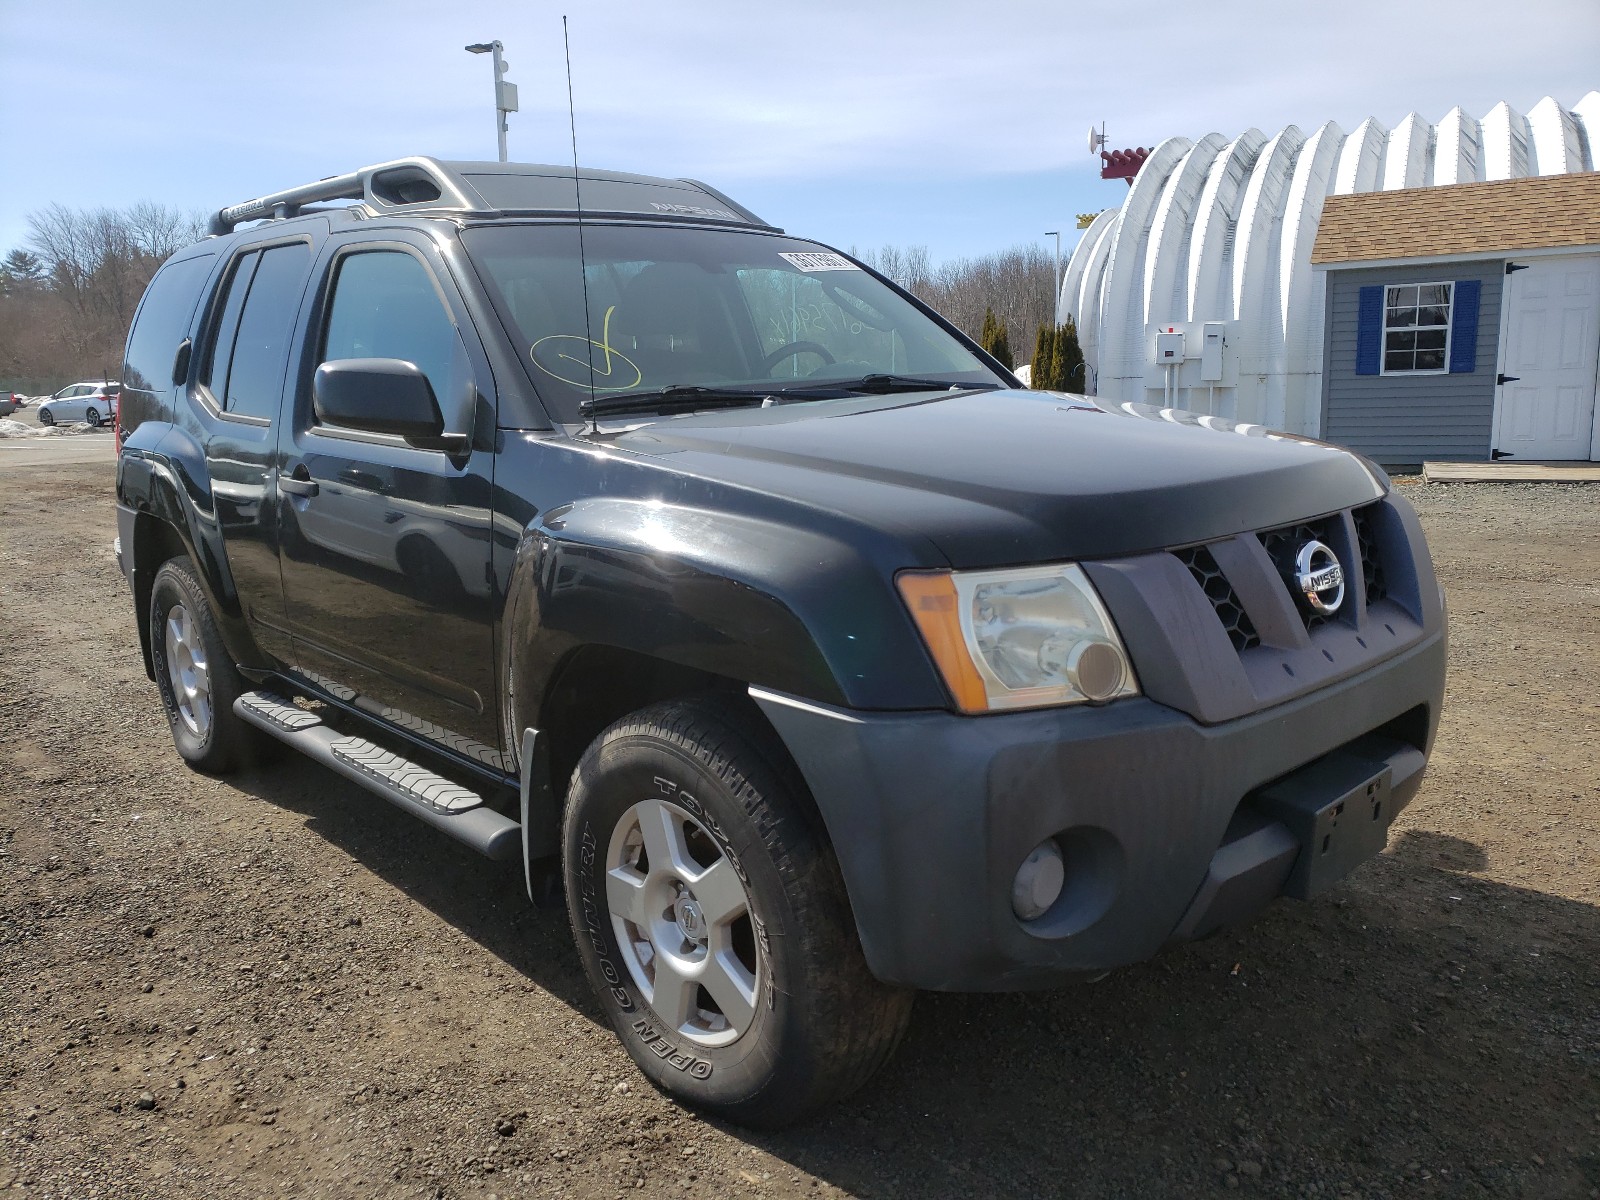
(793, 348)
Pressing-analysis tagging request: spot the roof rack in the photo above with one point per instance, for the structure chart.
(426, 185)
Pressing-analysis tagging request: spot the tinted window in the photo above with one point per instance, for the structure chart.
(255, 376)
(701, 306)
(385, 306)
(163, 322)
(214, 374)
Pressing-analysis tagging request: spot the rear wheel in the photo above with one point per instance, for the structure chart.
(197, 679)
(92, 416)
(712, 918)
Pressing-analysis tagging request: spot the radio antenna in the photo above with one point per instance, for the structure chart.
(577, 190)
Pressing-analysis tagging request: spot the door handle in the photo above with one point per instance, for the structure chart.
(298, 484)
(1501, 380)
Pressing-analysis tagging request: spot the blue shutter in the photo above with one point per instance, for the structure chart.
(1369, 331)
(1464, 327)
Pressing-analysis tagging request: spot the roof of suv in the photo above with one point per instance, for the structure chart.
(429, 187)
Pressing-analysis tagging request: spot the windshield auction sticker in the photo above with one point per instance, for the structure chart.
(817, 260)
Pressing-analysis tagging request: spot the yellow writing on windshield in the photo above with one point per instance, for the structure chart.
(618, 370)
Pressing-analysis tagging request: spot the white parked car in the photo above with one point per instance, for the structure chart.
(91, 402)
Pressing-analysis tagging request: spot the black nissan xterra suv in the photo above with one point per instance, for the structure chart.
(700, 563)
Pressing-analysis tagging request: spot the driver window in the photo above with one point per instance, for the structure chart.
(385, 305)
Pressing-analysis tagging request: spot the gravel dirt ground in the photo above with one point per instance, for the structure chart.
(277, 985)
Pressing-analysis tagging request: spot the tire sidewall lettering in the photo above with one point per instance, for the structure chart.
(592, 918)
(636, 1021)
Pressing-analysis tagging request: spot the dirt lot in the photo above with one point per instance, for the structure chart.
(277, 985)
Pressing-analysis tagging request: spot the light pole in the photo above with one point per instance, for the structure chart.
(505, 94)
(1055, 304)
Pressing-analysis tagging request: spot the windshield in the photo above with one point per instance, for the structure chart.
(701, 307)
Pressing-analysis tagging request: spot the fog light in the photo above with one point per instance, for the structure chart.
(1039, 881)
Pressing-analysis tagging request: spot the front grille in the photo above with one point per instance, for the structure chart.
(1371, 566)
(1282, 545)
(1241, 631)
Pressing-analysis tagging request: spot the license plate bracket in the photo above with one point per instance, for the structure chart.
(1339, 809)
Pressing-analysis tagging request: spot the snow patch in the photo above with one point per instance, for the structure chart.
(19, 429)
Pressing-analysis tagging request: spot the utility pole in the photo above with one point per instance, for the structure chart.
(1055, 303)
(505, 94)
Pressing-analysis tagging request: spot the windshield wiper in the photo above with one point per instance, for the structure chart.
(679, 397)
(884, 384)
(695, 397)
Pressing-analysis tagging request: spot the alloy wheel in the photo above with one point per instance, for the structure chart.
(683, 922)
(188, 670)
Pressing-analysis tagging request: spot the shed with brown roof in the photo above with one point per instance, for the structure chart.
(1463, 321)
(1542, 213)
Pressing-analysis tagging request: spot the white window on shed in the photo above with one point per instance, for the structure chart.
(1416, 328)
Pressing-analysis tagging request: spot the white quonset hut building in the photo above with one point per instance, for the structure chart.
(1200, 292)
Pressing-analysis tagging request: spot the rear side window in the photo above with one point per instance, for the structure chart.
(162, 323)
(245, 370)
(215, 373)
(385, 305)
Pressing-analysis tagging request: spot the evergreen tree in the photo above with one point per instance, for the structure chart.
(22, 266)
(1044, 359)
(1069, 360)
(996, 339)
(20, 273)
(1002, 346)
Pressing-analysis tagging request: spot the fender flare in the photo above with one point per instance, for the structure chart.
(173, 490)
(745, 598)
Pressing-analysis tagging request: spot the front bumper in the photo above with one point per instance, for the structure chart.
(1162, 820)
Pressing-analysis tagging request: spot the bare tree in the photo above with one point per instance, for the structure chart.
(1017, 284)
(93, 266)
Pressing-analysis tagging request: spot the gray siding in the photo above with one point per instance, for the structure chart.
(1401, 421)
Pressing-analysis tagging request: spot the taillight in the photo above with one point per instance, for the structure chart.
(116, 421)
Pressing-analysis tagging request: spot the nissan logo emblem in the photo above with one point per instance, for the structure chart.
(1319, 578)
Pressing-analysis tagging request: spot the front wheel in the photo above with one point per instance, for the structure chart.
(712, 919)
(46, 417)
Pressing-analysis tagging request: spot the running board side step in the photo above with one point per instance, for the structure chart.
(442, 803)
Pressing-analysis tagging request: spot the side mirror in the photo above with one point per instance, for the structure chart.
(382, 395)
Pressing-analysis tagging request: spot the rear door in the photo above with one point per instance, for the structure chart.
(240, 368)
(1547, 400)
(386, 547)
(69, 403)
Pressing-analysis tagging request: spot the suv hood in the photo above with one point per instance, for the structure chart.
(1008, 476)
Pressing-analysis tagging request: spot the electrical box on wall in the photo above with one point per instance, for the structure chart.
(1211, 352)
(1192, 365)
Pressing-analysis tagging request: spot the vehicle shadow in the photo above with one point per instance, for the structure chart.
(1419, 1030)
(487, 901)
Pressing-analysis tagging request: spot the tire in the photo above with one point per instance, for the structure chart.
(217, 741)
(46, 417)
(808, 1023)
(92, 416)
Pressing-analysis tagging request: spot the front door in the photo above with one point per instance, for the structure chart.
(1549, 361)
(386, 547)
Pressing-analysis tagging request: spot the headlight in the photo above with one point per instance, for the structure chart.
(1021, 638)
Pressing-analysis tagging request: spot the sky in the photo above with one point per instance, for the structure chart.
(961, 127)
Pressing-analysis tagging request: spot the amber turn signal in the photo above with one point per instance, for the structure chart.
(931, 597)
